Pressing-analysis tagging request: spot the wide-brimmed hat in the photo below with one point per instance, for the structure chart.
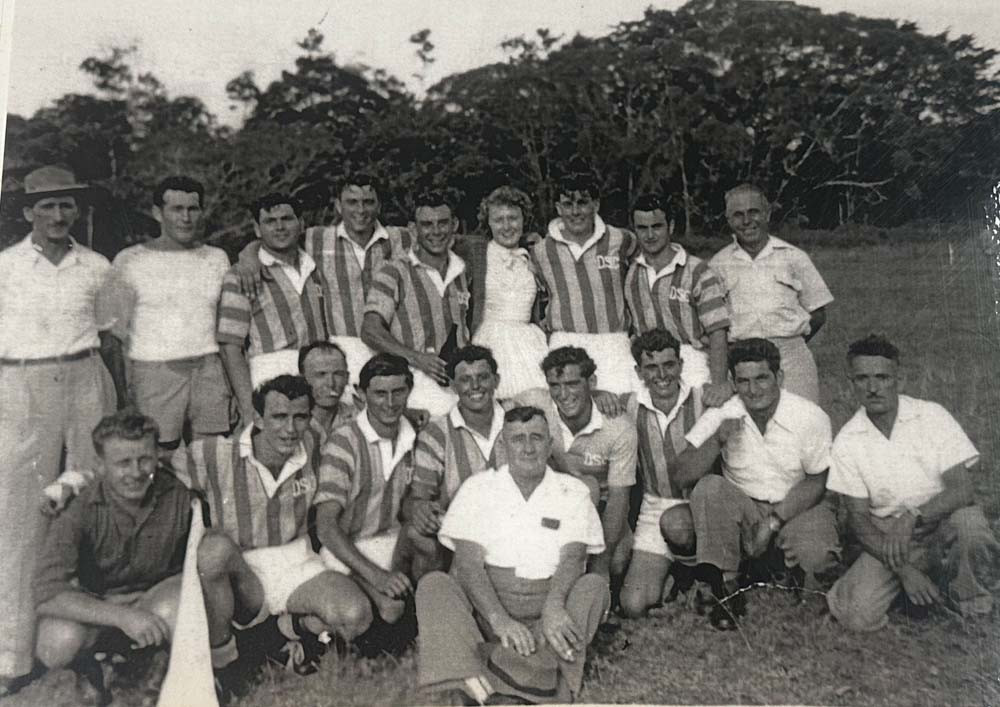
(51, 181)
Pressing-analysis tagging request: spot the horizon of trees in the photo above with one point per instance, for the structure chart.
(840, 118)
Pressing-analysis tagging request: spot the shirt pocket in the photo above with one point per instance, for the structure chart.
(788, 280)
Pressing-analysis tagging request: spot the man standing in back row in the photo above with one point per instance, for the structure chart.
(775, 291)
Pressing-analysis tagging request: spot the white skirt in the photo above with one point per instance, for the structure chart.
(519, 349)
(611, 352)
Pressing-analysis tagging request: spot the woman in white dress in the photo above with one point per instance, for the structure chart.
(506, 289)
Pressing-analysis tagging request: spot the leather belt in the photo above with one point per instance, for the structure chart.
(65, 358)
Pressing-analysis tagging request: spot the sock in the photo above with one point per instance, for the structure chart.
(224, 654)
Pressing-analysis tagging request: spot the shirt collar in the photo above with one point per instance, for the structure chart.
(306, 262)
(643, 398)
(267, 480)
(456, 266)
(773, 243)
(380, 233)
(860, 423)
(596, 422)
(578, 249)
(405, 435)
(457, 421)
(547, 479)
(163, 481)
(507, 255)
(678, 261)
(33, 251)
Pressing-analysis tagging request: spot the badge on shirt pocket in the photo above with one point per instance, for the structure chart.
(550, 523)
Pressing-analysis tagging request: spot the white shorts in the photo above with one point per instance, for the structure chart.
(611, 352)
(428, 395)
(695, 372)
(377, 549)
(283, 569)
(264, 367)
(357, 354)
(648, 537)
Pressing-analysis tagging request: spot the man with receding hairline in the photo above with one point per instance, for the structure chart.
(774, 289)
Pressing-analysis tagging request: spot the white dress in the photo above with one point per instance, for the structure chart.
(506, 329)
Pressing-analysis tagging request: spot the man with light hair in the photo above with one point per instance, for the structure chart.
(905, 469)
(774, 289)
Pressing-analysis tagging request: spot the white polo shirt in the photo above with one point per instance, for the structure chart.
(524, 534)
(904, 471)
(796, 442)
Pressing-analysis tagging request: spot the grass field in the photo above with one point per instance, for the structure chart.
(941, 314)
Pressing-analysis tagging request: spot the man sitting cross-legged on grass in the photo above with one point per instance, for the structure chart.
(453, 447)
(903, 465)
(517, 612)
(366, 468)
(257, 559)
(775, 457)
(112, 558)
(597, 448)
(664, 410)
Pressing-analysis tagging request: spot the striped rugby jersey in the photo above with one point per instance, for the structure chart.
(686, 298)
(279, 318)
(244, 499)
(448, 452)
(586, 293)
(369, 490)
(345, 281)
(346, 412)
(659, 448)
(404, 293)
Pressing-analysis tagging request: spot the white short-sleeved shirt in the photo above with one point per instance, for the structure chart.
(52, 310)
(796, 442)
(526, 535)
(906, 470)
(770, 295)
(168, 300)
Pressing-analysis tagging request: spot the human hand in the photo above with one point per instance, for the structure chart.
(896, 542)
(249, 274)
(144, 627)
(918, 586)
(729, 428)
(757, 542)
(55, 496)
(427, 517)
(715, 394)
(561, 632)
(395, 585)
(514, 634)
(432, 365)
(608, 403)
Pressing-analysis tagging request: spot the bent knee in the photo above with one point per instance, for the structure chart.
(215, 552)
(635, 601)
(677, 526)
(349, 615)
(59, 641)
(707, 487)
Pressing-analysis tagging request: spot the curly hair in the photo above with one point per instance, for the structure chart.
(505, 196)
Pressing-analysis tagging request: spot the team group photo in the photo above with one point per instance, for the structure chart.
(603, 374)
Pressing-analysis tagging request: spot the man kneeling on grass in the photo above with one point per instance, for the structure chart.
(904, 466)
(112, 558)
(517, 612)
(257, 559)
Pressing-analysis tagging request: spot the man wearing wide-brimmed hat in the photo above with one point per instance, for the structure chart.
(55, 311)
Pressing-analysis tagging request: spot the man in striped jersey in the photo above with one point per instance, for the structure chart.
(774, 289)
(664, 411)
(668, 288)
(324, 366)
(417, 305)
(347, 256)
(260, 340)
(455, 446)
(599, 449)
(366, 468)
(582, 262)
(257, 559)
(775, 448)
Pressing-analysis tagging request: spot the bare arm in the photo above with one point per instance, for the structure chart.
(238, 371)
(803, 496)
(613, 522)
(562, 633)
(375, 333)
(957, 493)
(695, 462)
(817, 318)
(114, 359)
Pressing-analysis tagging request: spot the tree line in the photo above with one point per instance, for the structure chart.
(841, 118)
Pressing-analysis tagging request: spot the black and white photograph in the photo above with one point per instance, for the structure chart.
(477, 353)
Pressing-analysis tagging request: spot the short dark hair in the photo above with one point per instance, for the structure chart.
(470, 354)
(292, 387)
(557, 359)
(179, 183)
(523, 413)
(753, 350)
(358, 179)
(432, 199)
(577, 182)
(656, 339)
(385, 364)
(322, 346)
(873, 345)
(651, 202)
(272, 200)
(128, 424)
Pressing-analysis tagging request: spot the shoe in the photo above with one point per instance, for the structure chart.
(231, 682)
(294, 657)
(13, 685)
(730, 602)
(91, 687)
(302, 651)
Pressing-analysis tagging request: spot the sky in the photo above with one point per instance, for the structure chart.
(195, 51)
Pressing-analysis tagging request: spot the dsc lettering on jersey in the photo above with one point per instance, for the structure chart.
(608, 262)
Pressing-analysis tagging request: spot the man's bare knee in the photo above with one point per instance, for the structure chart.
(215, 555)
(677, 526)
(60, 641)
